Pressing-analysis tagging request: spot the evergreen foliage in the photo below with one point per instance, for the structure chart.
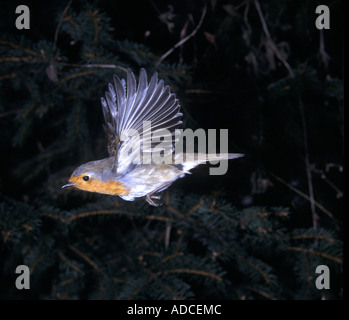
(259, 68)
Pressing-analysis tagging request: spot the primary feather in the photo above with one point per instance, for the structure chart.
(128, 106)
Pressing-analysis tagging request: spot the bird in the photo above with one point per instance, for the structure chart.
(126, 107)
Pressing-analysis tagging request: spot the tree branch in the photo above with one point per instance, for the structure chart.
(323, 209)
(270, 40)
(184, 40)
(60, 23)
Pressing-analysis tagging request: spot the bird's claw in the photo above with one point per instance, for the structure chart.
(150, 198)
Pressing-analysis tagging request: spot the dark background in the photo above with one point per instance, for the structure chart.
(285, 114)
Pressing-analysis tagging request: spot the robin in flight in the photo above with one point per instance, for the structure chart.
(126, 107)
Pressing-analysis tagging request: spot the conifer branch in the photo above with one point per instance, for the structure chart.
(68, 281)
(71, 265)
(16, 46)
(8, 76)
(264, 275)
(84, 256)
(318, 253)
(79, 74)
(198, 272)
(5, 114)
(140, 287)
(32, 268)
(103, 212)
(262, 293)
(313, 236)
(177, 254)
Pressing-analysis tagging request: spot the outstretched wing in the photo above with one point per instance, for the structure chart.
(127, 106)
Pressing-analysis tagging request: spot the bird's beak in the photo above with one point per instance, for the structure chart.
(69, 185)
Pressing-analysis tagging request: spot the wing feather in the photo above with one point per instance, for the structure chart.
(128, 104)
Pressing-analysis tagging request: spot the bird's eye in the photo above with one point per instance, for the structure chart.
(86, 178)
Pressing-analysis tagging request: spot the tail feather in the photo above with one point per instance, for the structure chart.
(224, 156)
(192, 160)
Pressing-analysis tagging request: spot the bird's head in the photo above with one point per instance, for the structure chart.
(96, 176)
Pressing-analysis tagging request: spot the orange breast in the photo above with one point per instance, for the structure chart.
(95, 185)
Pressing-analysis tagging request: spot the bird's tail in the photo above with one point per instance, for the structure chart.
(192, 160)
